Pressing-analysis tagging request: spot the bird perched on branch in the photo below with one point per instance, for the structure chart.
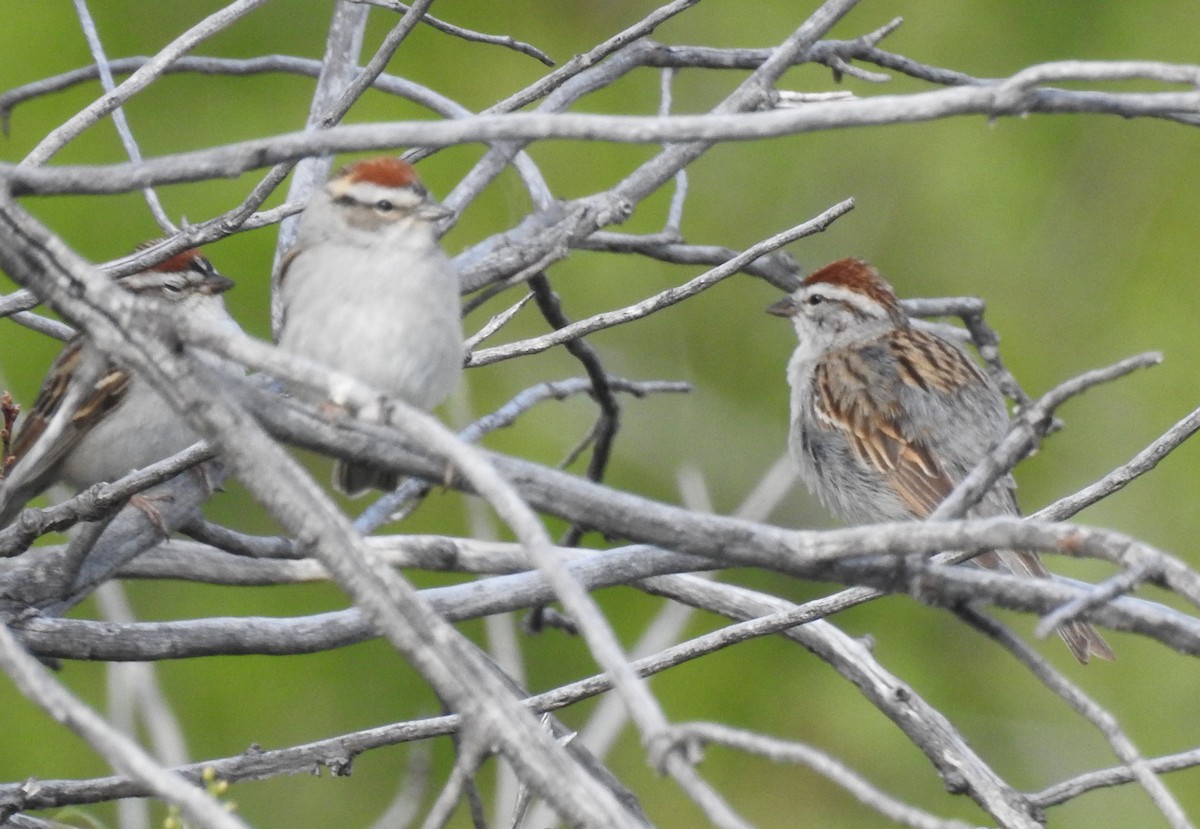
(93, 420)
(886, 419)
(368, 291)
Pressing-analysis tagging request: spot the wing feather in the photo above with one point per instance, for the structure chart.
(80, 389)
(859, 393)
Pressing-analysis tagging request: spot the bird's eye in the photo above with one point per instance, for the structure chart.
(815, 299)
(384, 206)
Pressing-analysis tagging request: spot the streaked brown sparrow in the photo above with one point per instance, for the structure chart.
(92, 420)
(887, 418)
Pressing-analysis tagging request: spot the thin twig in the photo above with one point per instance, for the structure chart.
(778, 268)
(1090, 710)
(468, 34)
(605, 429)
(782, 751)
(118, 114)
(674, 222)
(135, 687)
(43, 325)
(1116, 480)
(1026, 431)
(378, 513)
(662, 300)
(1106, 778)
(42, 689)
(404, 807)
(139, 80)
(471, 754)
(1100, 594)
(496, 323)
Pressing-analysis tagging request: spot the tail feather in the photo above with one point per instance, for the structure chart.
(354, 478)
(1085, 642)
(1082, 639)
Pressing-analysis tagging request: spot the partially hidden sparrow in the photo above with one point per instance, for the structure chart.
(368, 291)
(92, 420)
(886, 418)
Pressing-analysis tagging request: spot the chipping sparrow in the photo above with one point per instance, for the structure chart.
(887, 418)
(92, 421)
(367, 290)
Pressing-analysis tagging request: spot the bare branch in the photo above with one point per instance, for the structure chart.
(1115, 481)
(234, 159)
(43, 325)
(118, 114)
(666, 551)
(467, 34)
(781, 751)
(665, 299)
(1122, 746)
(139, 80)
(1070, 789)
(776, 267)
(1027, 431)
(97, 502)
(37, 684)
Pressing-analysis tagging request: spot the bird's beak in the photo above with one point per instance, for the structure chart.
(785, 307)
(431, 211)
(214, 283)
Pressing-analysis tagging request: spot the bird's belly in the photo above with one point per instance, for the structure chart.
(850, 490)
(116, 446)
(418, 361)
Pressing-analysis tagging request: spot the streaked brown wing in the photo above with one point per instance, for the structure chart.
(36, 457)
(860, 399)
(930, 363)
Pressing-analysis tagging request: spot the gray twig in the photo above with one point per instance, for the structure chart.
(1090, 710)
(139, 80)
(42, 689)
(783, 751)
(669, 297)
(118, 114)
(468, 34)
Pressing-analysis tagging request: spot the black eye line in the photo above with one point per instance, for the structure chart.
(382, 206)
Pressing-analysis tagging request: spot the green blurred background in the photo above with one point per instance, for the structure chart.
(1079, 231)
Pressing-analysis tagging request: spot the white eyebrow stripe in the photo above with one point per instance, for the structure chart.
(371, 190)
(864, 306)
(368, 192)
